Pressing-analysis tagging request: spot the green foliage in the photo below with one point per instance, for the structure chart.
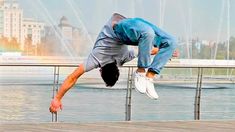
(208, 51)
(232, 48)
(194, 71)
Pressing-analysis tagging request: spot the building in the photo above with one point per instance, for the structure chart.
(71, 37)
(32, 30)
(11, 20)
(13, 25)
(64, 39)
(66, 29)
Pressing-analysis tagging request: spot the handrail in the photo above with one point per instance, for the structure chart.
(193, 63)
(174, 63)
(199, 64)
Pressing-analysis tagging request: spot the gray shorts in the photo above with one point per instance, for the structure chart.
(108, 48)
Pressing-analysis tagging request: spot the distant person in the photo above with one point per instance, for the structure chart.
(111, 50)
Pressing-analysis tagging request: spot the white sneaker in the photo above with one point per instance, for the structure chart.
(150, 90)
(140, 82)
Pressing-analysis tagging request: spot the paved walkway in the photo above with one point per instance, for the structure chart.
(150, 126)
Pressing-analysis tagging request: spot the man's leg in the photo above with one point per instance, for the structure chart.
(145, 46)
(159, 61)
(165, 53)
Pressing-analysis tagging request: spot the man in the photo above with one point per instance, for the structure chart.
(110, 51)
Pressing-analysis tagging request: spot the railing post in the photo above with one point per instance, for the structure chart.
(128, 94)
(54, 117)
(197, 103)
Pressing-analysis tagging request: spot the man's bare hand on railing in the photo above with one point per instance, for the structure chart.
(67, 84)
(55, 105)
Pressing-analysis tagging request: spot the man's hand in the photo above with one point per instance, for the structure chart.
(55, 105)
(154, 51)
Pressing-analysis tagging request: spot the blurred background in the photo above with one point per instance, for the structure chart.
(204, 29)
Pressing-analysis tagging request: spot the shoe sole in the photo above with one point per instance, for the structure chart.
(147, 93)
(151, 97)
(139, 91)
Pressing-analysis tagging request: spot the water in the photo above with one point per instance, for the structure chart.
(30, 103)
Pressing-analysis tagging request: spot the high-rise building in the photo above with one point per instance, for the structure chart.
(1, 2)
(11, 20)
(12, 24)
(1, 17)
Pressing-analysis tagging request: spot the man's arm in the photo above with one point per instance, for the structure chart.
(67, 84)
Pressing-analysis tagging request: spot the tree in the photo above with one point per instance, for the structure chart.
(232, 48)
(28, 45)
(4, 43)
(14, 45)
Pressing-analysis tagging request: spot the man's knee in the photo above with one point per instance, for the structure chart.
(149, 33)
(169, 44)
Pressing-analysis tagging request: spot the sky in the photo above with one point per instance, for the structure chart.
(204, 19)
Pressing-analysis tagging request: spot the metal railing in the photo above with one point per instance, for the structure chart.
(56, 75)
(130, 67)
(200, 65)
(197, 101)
